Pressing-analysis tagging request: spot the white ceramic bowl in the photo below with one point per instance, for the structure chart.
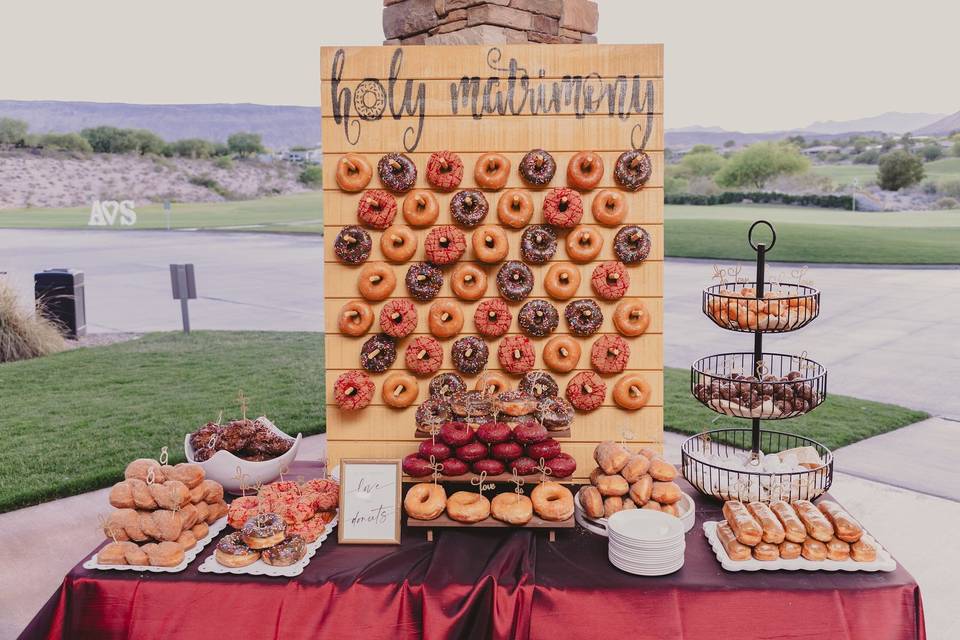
(222, 466)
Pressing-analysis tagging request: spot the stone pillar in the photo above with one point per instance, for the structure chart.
(489, 21)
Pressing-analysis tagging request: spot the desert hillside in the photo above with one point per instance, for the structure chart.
(34, 179)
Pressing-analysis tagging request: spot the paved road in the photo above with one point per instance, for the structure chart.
(884, 334)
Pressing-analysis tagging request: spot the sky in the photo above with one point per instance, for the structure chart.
(747, 65)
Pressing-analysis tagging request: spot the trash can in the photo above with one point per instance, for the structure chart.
(59, 296)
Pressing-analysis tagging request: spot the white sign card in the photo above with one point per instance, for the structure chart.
(369, 502)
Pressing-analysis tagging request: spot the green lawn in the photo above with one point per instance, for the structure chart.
(74, 420)
(71, 422)
(301, 212)
(845, 173)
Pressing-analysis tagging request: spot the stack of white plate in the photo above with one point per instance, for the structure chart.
(645, 542)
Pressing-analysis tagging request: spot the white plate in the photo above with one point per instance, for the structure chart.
(261, 568)
(598, 526)
(188, 556)
(645, 526)
(884, 561)
(645, 571)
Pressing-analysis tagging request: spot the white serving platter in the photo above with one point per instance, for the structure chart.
(188, 556)
(884, 561)
(261, 568)
(598, 526)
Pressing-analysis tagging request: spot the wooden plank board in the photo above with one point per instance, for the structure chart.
(643, 207)
(492, 95)
(454, 62)
(514, 181)
(332, 313)
(514, 237)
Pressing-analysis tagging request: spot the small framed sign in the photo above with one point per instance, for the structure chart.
(369, 502)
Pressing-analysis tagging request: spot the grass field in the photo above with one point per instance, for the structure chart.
(71, 422)
(843, 174)
(74, 420)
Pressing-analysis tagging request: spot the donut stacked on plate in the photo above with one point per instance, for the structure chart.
(460, 291)
(161, 511)
(551, 501)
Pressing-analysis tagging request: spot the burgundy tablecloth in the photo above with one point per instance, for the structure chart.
(485, 583)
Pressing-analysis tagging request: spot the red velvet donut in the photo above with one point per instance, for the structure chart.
(377, 209)
(454, 467)
(515, 354)
(506, 451)
(546, 449)
(561, 466)
(586, 391)
(491, 466)
(492, 318)
(493, 432)
(563, 208)
(530, 432)
(444, 170)
(444, 245)
(472, 452)
(398, 318)
(456, 434)
(424, 355)
(353, 390)
(438, 450)
(610, 280)
(609, 354)
(525, 466)
(415, 466)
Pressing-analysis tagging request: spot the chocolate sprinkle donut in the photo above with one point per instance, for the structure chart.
(446, 385)
(538, 318)
(539, 384)
(538, 243)
(633, 169)
(471, 403)
(424, 281)
(469, 207)
(583, 316)
(632, 244)
(554, 413)
(537, 167)
(353, 245)
(378, 353)
(514, 280)
(470, 354)
(397, 172)
(433, 412)
(285, 553)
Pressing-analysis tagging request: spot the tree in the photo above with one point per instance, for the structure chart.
(12, 131)
(312, 177)
(195, 148)
(906, 141)
(110, 139)
(870, 156)
(64, 142)
(931, 152)
(956, 149)
(729, 143)
(760, 162)
(148, 142)
(888, 145)
(899, 169)
(245, 144)
(701, 163)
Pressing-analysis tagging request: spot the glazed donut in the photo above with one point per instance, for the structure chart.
(468, 281)
(445, 318)
(377, 209)
(514, 280)
(563, 208)
(609, 354)
(355, 318)
(515, 208)
(537, 167)
(561, 354)
(492, 383)
(591, 501)
(633, 169)
(376, 281)
(586, 391)
(512, 508)
(420, 208)
(552, 501)
(398, 318)
(423, 356)
(470, 354)
(468, 507)
(469, 207)
(352, 245)
(444, 170)
(400, 390)
(444, 245)
(353, 172)
(611, 485)
(631, 392)
(397, 172)
(631, 317)
(353, 390)
(610, 280)
(632, 244)
(424, 281)
(425, 501)
(515, 354)
(538, 243)
(562, 281)
(491, 171)
(378, 353)
(584, 171)
(609, 207)
(490, 243)
(398, 243)
(583, 243)
(492, 318)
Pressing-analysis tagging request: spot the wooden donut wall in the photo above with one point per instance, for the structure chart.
(506, 99)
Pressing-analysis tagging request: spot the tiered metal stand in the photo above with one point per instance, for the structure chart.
(757, 386)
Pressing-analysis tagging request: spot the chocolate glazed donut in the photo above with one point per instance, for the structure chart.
(633, 169)
(397, 172)
(537, 167)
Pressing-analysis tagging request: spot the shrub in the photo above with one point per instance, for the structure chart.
(760, 162)
(949, 187)
(947, 203)
(701, 163)
(213, 185)
(674, 185)
(23, 334)
(64, 142)
(764, 197)
(931, 152)
(956, 149)
(871, 156)
(223, 162)
(899, 169)
(192, 148)
(12, 131)
(312, 177)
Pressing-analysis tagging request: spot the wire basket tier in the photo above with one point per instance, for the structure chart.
(715, 463)
(783, 307)
(776, 387)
